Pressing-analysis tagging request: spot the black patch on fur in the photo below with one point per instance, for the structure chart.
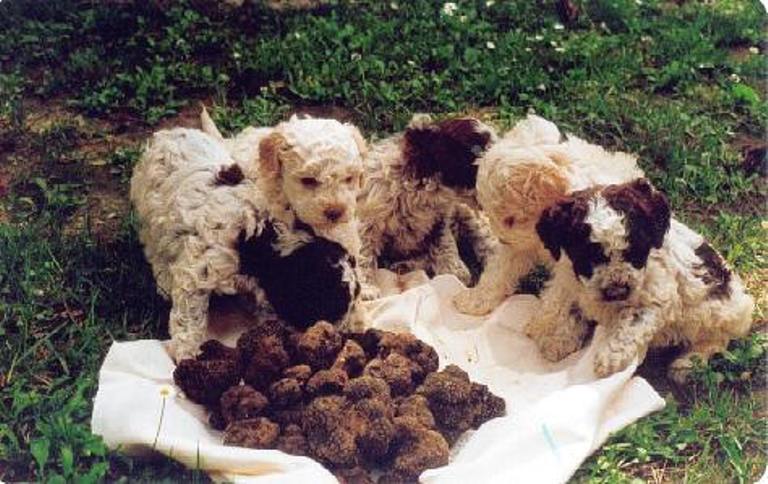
(304, 286)
(230, 175)
(448, 149)
(714, 272)
(562, 227)
(648, 217)
(390, 255)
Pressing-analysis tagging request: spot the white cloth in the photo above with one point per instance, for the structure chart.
(557, 414)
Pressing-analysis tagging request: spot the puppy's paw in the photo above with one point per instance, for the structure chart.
(369, 292)
(680, 370)
(178, 351)
(609, 361)
(471, 301)
(463, 274)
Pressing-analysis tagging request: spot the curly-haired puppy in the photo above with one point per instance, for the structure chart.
(418, 195)
(197, 204)
(529, 169)
(624, 263)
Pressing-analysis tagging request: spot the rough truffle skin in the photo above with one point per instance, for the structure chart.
(242, 402)
(368, 340)
(286, 392)
(397, 370)
(489, 406)
(366, 387)
(353, 475)
(319, 345)
(376, 430)
(216, 350)
(204, 381)
(458, 404)
(267, 362)
(419, 449)
(292, 415)
(326, 382)
(292, 441)
(416, 407)
(300, 373)
(351, 359)
(257, 433)
(412, 348)
(449, 395)
(329, 432)
(259, 329)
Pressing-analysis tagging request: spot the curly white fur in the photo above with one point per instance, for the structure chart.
(190, 220)
(416, 220)
(528, 169)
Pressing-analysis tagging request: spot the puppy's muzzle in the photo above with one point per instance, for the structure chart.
(334, 214)
(615, 292)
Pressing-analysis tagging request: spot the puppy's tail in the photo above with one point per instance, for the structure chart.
(207, 124)
(535, 130)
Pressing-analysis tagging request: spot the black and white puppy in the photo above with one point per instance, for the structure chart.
(418, 199)
(625, 263)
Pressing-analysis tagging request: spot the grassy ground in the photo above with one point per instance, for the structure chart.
(83, 83)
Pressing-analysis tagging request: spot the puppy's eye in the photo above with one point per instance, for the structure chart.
(509, 221)
(309, 182)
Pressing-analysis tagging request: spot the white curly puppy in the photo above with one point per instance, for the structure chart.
(197, 204)
(651, 281)
(527, 170)
(418, 199)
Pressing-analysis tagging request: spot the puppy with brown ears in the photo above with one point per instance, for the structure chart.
(625, 264)
(235, 216)
(529, 169)
(418, 198)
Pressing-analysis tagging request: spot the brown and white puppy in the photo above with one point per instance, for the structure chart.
(418, 198)
(531, 167)
(624, 263)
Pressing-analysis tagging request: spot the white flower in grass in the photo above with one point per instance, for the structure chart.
(490, 45)
(449, 8)
(734, 77)
(559, 49)
(490, 3)
(394, 6)
(559, 26)
(463, 18)
(754, 50)
(167, 391)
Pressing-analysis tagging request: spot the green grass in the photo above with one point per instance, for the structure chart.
(675, 84)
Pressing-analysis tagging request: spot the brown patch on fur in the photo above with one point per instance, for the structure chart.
(714, 271)
(448, 148)
(269, 150)
(648, 217)
(230, 175)
(562, 227)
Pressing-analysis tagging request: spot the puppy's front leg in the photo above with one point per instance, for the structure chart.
(499, 280)
(445, 259)
(629, 338)
(368, 264)
(187, 322)
(559, 328)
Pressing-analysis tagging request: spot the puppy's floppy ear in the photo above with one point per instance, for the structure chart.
(449, 148)
(362, 146)
(553, 225)
(648, 216)
(269, 154)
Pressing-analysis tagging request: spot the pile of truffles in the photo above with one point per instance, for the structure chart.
(355, 402)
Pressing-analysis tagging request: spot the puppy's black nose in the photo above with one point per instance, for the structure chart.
(616, 292)
(333, 214)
